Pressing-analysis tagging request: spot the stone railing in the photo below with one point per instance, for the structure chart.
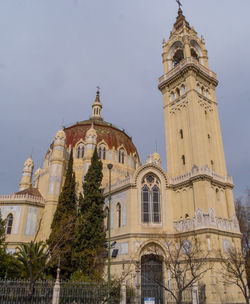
(22, 198)
(190, 61)
(207, 220)
(196, 171)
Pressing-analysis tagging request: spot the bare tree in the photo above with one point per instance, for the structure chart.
(186, 263)
(242, 209)
(234, 270)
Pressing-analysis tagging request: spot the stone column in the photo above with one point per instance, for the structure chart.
(56, 289)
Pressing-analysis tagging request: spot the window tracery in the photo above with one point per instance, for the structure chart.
(102, 151)
(80, 151)
(150, 199)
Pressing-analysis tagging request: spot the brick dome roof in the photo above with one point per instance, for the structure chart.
(113, 136)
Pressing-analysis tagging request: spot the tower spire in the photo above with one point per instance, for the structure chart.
(97, 106)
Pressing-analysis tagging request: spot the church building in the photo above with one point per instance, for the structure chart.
(149, 205)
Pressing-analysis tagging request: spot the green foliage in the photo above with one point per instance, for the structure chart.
(89, 232)
(32, 259)
(62, 229)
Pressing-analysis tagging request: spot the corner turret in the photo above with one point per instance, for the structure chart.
(26, 181)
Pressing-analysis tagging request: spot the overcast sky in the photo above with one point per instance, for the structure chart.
(53, 54)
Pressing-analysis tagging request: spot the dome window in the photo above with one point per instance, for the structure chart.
(102, 151)
(80, 151)
(121, 156)
(9, 223)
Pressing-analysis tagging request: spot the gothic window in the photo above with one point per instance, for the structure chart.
(151, 199)
(183, 159)
(178, 56)
(100, 152)
(121, 156)
(194, 54)
(9, 223)
(207, 93)
(78, 151)
(178, 92)
(119, 214)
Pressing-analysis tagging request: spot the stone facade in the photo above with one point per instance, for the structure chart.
(148, 205)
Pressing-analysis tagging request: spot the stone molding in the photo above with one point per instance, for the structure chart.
(184, 64)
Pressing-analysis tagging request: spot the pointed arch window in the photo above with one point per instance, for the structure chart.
(121, 156)
(82, 154)
(151, 200)
(78, 151)
(9, 223)
(104, 153)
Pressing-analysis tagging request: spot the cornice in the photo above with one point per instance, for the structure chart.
(182, 68)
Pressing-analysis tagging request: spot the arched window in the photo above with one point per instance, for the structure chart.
(156, 204)
(183, 159)
(194, 54)
(183, 89)
(150, 199)
(119, 214)
(178, 92)
(104, 153)
(178, 56)
(121, 156)
(78, 152)
(172, 96)
(145, 205)
(100, 152)
(9, 223)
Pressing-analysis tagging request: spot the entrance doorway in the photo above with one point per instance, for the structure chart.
(151, 276)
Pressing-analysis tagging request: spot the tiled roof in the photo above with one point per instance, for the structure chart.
(30, 191)
(113, 136)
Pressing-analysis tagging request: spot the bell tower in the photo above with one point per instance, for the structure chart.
(194, 147)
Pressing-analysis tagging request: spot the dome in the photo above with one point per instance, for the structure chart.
(106, 132)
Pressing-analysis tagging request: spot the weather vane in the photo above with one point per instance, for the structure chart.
(179, 3)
